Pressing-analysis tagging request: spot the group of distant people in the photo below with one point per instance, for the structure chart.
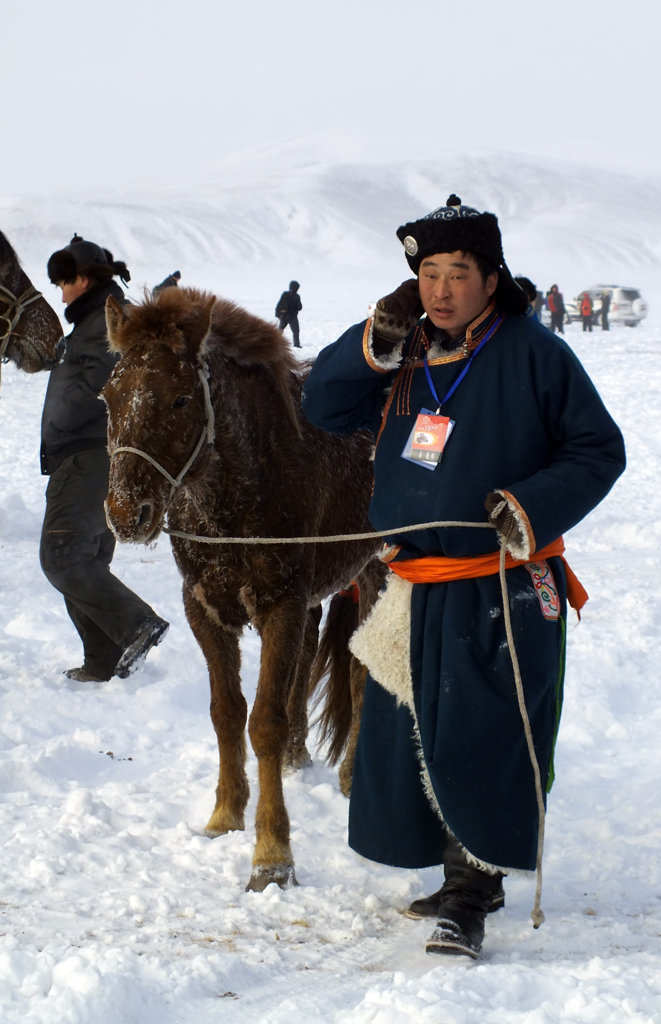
(555, 304)
(588, 315)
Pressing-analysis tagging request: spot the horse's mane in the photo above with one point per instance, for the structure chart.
(205, 328)
(7, 253)
(170, 316)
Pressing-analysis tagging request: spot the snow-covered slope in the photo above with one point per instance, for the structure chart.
(320, 212)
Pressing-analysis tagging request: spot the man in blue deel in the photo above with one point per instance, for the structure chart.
(480, 416)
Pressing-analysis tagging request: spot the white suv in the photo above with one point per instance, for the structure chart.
(627, 306)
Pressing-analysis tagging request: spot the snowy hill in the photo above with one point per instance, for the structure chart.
(326, 214)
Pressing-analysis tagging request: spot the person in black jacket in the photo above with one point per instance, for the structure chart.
(116, 626)
(556, 305)
(605, 307)
(287, 310)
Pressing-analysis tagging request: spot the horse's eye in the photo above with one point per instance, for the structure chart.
(180, 401)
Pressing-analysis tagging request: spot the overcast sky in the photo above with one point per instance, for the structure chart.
(134, 90)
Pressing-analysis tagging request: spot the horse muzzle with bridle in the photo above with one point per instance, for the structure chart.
(207, 435)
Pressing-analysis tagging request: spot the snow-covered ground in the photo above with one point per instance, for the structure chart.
(115, 908)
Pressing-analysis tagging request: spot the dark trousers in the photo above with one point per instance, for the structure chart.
(76, 551)
(557, 322)
(292, 320)
(587, 323)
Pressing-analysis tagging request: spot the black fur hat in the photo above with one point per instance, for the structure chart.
(529, 288)
(87, 259)
(456, 227)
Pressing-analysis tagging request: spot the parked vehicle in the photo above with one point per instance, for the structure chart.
(627, 307)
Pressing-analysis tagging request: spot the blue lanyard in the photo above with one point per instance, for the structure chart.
(457, 382)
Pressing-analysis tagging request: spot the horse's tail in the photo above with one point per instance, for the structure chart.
(333, 666)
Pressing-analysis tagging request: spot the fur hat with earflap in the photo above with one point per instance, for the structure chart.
(457, 227)
(85, 259)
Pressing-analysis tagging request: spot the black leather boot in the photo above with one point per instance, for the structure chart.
(429, 906)
(464, 903)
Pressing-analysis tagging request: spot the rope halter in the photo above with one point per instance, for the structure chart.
(16, 306)
(208, 435)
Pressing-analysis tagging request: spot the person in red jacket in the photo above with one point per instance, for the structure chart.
(586, 311)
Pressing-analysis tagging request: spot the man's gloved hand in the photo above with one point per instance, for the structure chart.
(395, 315)
(507, 519)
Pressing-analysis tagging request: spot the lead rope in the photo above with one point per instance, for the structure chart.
(208, 434)
(537, 914)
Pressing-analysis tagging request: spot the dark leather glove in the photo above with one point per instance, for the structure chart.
(394, 316)
(507, 520)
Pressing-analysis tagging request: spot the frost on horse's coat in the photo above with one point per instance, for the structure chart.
(268, 473)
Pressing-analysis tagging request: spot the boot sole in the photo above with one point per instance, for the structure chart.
(136, 653)
(448, 947)
(449, 940)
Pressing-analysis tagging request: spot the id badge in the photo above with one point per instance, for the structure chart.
(427, 440)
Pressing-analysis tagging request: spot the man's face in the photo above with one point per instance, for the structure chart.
(72, 290)
(452, 290)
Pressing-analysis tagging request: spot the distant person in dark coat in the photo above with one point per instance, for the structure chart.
(287, 310)
(117, 627)
(556, 305)
(171, 281)
(605, 307)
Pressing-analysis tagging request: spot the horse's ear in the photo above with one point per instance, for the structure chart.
(115, 318)
(200, 330)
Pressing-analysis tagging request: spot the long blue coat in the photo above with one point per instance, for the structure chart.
(528, 420)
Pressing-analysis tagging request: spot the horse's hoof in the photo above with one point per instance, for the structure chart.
(221, 824)
(297, 760)
(282, 874)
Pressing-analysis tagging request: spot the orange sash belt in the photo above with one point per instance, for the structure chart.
(438, 569)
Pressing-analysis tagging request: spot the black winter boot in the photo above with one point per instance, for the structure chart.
(465, 900)
(429, 906)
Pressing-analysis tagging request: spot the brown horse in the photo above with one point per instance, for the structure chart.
(205, 430)
(29, 328)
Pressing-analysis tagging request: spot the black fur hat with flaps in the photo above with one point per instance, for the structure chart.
(86, 259)
(456, 227)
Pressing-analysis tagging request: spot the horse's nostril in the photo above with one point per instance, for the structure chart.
(145, 513)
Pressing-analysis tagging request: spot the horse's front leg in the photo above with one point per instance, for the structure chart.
(281, 628)
(220, 645)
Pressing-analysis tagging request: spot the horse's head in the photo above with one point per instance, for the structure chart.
(29, 328)
(159, 412)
